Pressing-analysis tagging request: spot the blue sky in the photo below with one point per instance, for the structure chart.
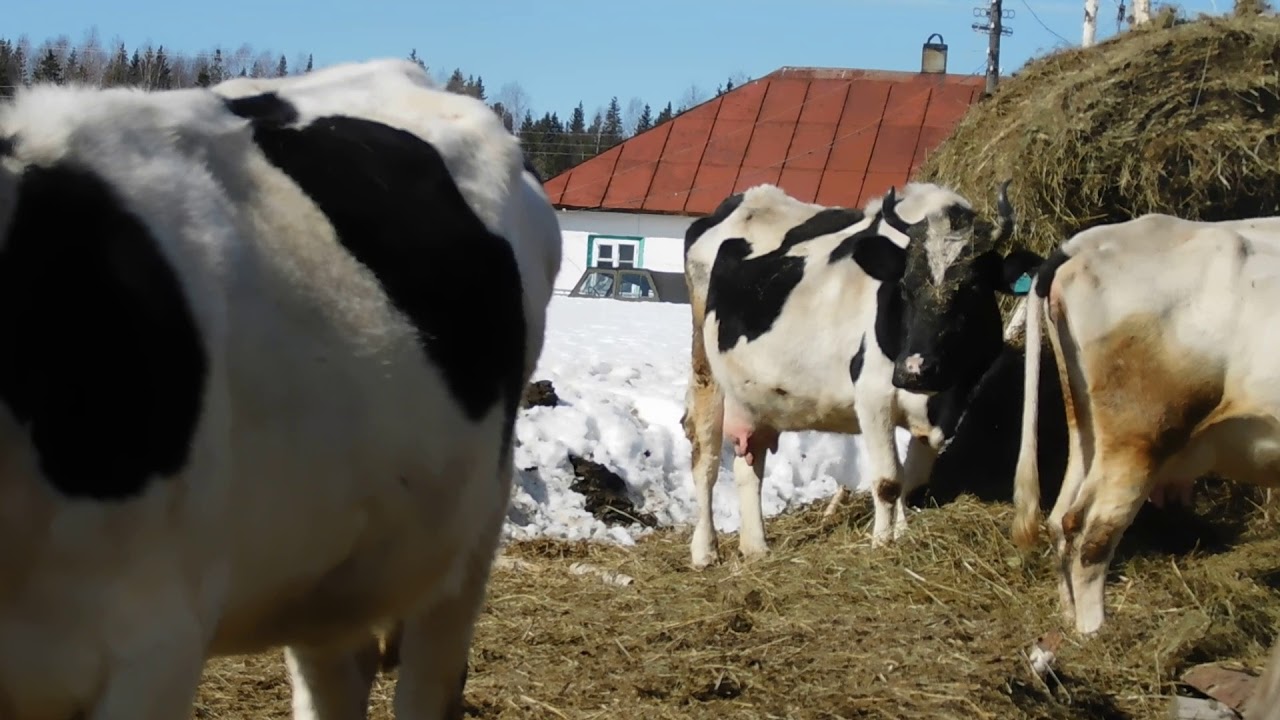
(563, 51)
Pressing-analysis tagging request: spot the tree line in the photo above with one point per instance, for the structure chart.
(553, 143)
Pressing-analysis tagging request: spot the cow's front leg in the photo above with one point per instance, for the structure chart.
(915, 472)
(882, 465)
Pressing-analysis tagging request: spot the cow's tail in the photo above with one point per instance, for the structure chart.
(1026, 478)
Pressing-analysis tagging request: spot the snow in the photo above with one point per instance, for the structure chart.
(620, 369)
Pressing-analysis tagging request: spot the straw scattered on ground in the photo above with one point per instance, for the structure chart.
(826, 628)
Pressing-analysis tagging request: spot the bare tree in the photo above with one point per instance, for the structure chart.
(263, 65)
(694, 95)
(635, 108)
(514, 100)
(241, 61)
(184, 69)
(93, 58)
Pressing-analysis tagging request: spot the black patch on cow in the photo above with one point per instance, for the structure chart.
(890, 330)
(852, 246)
(397, 210)
(855, 364)
(1014, 265)
(747, 295)
(717, 216)
(824, 222)
(1044, 278)
(983, 452)
(265, 110)
(7, 146)
(102, 361)
(880, 257)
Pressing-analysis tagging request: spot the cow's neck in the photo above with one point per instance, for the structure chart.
(946, 407)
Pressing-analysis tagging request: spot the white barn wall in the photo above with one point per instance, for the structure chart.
(660, 240)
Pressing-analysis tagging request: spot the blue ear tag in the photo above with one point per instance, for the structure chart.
(1023, 285)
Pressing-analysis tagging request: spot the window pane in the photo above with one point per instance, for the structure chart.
(627, 253)
(604, 251)
(635, 285)
(597, 284)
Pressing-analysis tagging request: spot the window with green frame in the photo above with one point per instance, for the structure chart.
(615, 251)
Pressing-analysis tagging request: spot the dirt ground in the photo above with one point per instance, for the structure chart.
(825, 628)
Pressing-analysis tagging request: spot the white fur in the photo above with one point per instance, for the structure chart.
(1212, 285)
(806, 355)
(334, 485)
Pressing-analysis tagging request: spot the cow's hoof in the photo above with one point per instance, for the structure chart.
(752, 554)
(703, 559)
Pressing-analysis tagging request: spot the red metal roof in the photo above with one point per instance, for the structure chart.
(831, 136)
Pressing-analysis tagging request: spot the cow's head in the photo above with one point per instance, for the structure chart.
(944, 286)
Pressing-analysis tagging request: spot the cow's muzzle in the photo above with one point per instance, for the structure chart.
(917, 373)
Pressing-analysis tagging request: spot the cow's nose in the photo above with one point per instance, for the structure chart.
(914, 364)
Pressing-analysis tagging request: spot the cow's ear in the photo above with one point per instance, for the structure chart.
(881, 258)
(1017, 271)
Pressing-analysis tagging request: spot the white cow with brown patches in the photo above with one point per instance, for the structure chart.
(815, 318)
(1165, 377)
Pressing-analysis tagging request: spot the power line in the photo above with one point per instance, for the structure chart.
(1049, 29)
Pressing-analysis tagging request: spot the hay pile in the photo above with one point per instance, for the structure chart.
(825, 628)
(1180, 119)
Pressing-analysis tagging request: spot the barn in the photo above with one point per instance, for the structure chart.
(835, 136)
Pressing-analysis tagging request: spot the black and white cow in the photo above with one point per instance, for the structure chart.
(251, 395)
(832, 319)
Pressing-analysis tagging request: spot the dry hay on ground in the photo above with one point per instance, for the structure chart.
(1178, 120)
(825, 628)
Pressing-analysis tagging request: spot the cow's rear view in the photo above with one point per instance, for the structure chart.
(247, 401)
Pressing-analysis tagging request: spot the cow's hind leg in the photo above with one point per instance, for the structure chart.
(748, 474)
(156, 676)
(435, 641)
(434, 648)
(836, 499)
(1116, 486)
(332, 682)
(1080, 447)
(704, 427)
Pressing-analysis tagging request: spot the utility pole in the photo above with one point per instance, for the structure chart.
(994, 30)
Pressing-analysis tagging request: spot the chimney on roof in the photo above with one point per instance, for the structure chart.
(933, 58)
